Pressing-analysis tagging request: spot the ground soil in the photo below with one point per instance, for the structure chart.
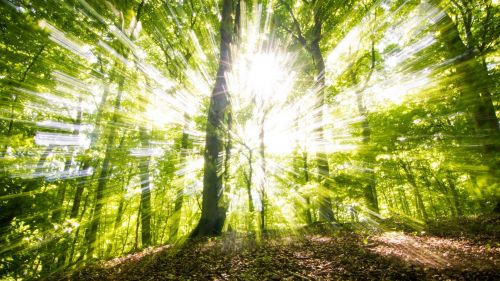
(342, 255)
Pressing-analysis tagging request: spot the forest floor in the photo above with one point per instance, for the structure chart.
(445, 251)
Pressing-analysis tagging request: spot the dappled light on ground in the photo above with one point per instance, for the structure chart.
(436, 252)
(135, 257)
(337, 256)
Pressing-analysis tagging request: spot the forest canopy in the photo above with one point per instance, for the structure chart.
(131, 124)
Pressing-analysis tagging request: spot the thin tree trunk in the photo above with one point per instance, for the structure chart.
(145, 193)
(370, 190)
(248, 184)
(454, 195)
(429, 191)
(263, 197)
(80, 186)
(387, 200)
(87, 162)
(307, 198)
(325, 202)
(119, 213)
(444, 189)
(67, 165)
(179, 199)
(61, 191)
(404, 202)
(73, 245)
(126, 236)
(105, 170)
(418, 197)
(137, 224)
(311, 45)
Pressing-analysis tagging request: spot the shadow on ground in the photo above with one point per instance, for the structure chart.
(389, 255)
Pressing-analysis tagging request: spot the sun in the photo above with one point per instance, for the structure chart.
(267, 74)
(260, 84)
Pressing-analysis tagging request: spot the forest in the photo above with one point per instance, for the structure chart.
(249, 140)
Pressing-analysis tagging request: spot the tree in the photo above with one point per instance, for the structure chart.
(470, 37)
(308, 35)
(213, 212)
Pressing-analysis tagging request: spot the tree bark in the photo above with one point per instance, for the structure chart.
(419, 203)
(307, 198)
(86, 163)
(262, 153)
(145, 193)
(475, 84)
(325, 202)
(370, 189)
(248, 184)
(179, 199)
(310, 42)
(105, 170)
(213, 213)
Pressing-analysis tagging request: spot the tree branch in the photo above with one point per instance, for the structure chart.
(302, 40)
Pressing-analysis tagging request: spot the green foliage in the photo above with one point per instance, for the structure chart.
(103, 102)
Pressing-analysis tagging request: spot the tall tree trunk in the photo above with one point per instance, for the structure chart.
(475, 84)
(73, 245)
(262, 153)
(87, 162)
(50, 264)
(248, 184)
(370, 190)
(213, 214)
(137, 224)
(311, 45)
(179, 198)
(404, 202)
(80, 186)
(119, 213)
(307, 198)
(454, 195)
(447, 196)
(428, 185)
(61, 192)
(145, 192)
(103, 177)
(67, 165)
(419, 203)
(325, 202)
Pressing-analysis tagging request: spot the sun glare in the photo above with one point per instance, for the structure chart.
(260, 86)
(268, 73)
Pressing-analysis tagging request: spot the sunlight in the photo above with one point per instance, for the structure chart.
(260, 84)
(126, 125)
(60, 38)
(264, 82)
(395, 91)
(267, 74)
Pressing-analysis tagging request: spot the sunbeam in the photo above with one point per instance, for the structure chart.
(133, 124)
